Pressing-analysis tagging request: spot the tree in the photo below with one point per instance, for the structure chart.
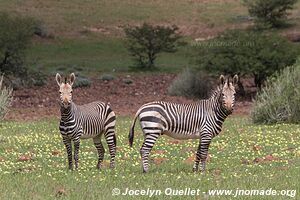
(269, 12)
(15, 35)
(246, 53)
(145, 42)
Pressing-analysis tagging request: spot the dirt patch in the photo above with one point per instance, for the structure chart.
(125, 99)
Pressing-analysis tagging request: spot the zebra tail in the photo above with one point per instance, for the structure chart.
(131, 131)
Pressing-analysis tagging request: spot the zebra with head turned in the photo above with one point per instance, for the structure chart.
(200, 120)
(85, 121)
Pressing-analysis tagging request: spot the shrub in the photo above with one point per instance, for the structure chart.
(269, 13)
(5, 99)
(82, 81)
(30, 78)
(127, 81)
(107, 77)
(15, 35)
(40, 29)
(145, 42)
(246, 53)
(36, 78)
(279, 100)
(191, 84)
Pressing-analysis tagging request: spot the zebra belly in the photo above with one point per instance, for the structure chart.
(182, 136)
(87, 136)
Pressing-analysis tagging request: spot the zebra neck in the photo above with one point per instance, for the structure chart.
(219, 110)
(67, 114)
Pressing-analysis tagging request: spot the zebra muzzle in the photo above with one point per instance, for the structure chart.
(66, 104)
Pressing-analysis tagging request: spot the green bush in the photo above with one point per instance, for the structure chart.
(191, 84)
(246, 53)
(29, 79)
(269, 13)
(145, 43)
(40, 29)
(5, 99)
(36, 78)
(279, 101)
(15, 35)
(107, 77)
(82, 81)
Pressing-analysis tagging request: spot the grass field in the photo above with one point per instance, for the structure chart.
(88, 34)
(33, 163)
(105, 54)
(70, 17)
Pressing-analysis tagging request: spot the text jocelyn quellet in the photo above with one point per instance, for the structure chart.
(156, 192)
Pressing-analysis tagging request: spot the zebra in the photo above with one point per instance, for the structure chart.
(85, 121)
(199, 120)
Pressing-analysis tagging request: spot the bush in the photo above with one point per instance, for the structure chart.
(246, 53)
(36, 78)
(127, 81)
(145, 42)
(279, 100)
(5, 99)
(15, 35)
(82, 81)
(29, 79)
(191, 84)
(269, 13)
(107, 77)
(41, 30)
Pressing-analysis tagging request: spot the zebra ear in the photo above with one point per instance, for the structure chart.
(235, 79)
(58, 79)
(222, 80)
(72, 79)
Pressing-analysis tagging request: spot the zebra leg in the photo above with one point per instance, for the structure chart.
(204, 145)
(100, 149)
(111, 142)
(197, 159)
(76, 151)
(67, 142)
(150, 139)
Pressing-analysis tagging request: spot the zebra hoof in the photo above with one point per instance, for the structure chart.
(195, 169)
(98, 167)
(112, 166)
(203, 172)
(145, 171)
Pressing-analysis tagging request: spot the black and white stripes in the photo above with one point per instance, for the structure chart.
(87, 121)
(201, 120)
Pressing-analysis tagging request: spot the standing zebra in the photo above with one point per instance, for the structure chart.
(200, 120)
(85, 121)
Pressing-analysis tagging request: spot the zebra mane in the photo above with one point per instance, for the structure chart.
(216, 92)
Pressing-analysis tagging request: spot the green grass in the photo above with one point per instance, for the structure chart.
(92, 55)
(70, 17)
(77, 48)
(46, 174)
(65, 16)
